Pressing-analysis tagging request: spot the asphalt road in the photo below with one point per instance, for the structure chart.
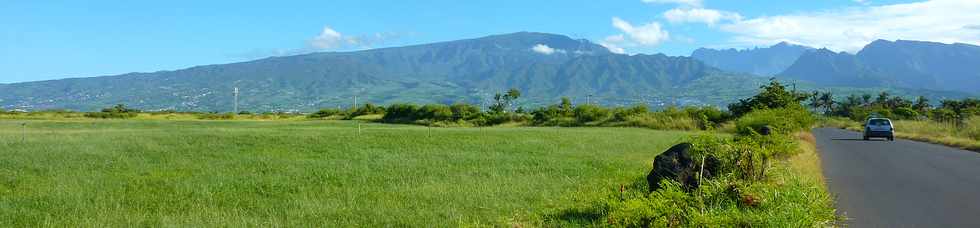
(900, 184)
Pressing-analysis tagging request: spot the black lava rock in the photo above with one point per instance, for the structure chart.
(765, 130)
(677, 164)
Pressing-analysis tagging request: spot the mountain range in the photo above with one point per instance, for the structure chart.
(543, 66)
(904, 64)
(767, 61)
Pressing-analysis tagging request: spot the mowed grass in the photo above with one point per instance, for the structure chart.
(304, 173)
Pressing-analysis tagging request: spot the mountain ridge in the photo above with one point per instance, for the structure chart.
(468, 70)
(765, 61)
(900, 63)
(543, 66)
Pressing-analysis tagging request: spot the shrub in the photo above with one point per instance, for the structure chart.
(773, 96)
(401, 113)
(116, 112)
(328, 112)
(943, 115)
(782, 121)
(906, 113)
(590, 113)
(367, 109)
(216, 116)
(621, 114)
(659, 121)
(544, 115)
(434, 112)
(464, 111)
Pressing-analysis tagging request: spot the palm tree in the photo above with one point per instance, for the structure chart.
(827, 101)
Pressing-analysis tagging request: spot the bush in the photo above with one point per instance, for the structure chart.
(110, 115)
(659, 121)
(590, 113)
(367, 109)
(435, 112)
(622, 114)
(545, 115)
(773, 96)
(781, 121)
(401, 113)
(328, 112)
(464, 111)
(906, 113)
(116, 112)
(216, 116)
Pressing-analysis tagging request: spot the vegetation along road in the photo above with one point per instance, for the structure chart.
(901, 183)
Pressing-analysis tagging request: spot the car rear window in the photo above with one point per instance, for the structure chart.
(879, 122)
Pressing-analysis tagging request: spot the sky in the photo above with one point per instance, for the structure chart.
(44, 40)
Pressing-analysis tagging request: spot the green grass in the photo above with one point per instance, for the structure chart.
(792, 194)
(304, 173)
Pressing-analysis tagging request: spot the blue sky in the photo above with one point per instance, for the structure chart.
(41, 40)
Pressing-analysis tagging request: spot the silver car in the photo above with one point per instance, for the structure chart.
(879, 128)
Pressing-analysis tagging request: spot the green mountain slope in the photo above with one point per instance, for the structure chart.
(458, 71)
(543, 66)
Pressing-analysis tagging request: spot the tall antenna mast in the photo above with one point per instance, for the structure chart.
(236, 100)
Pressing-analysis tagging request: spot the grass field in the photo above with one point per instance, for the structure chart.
(94, 173)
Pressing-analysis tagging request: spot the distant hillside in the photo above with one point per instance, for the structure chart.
(544, 66)
(758, 61)
(905, 64)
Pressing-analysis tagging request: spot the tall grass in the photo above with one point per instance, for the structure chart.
(762, 181)
(964, 134)
(659, 121)
(125, 173)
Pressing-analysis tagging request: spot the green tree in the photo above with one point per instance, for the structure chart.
(503, 102)
(565, 108)
(827, 101)
(882, 99)
(773, 95)
(921, 104)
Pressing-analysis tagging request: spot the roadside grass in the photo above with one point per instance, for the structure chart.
(152, 172)
(964, 136)
(793, 194)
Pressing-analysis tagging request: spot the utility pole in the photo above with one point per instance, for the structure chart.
(236, 100)
(359, 90)
(588, 99)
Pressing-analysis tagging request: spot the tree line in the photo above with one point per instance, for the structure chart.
(884, 104)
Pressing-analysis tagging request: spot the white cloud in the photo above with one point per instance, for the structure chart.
(849, 29)
(700, 15)
(649, 34)
(612, 43)
(543, 49)
(689, 3)
(328, 39)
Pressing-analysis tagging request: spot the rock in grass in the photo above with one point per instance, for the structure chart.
(765, 130)
(677, 164)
